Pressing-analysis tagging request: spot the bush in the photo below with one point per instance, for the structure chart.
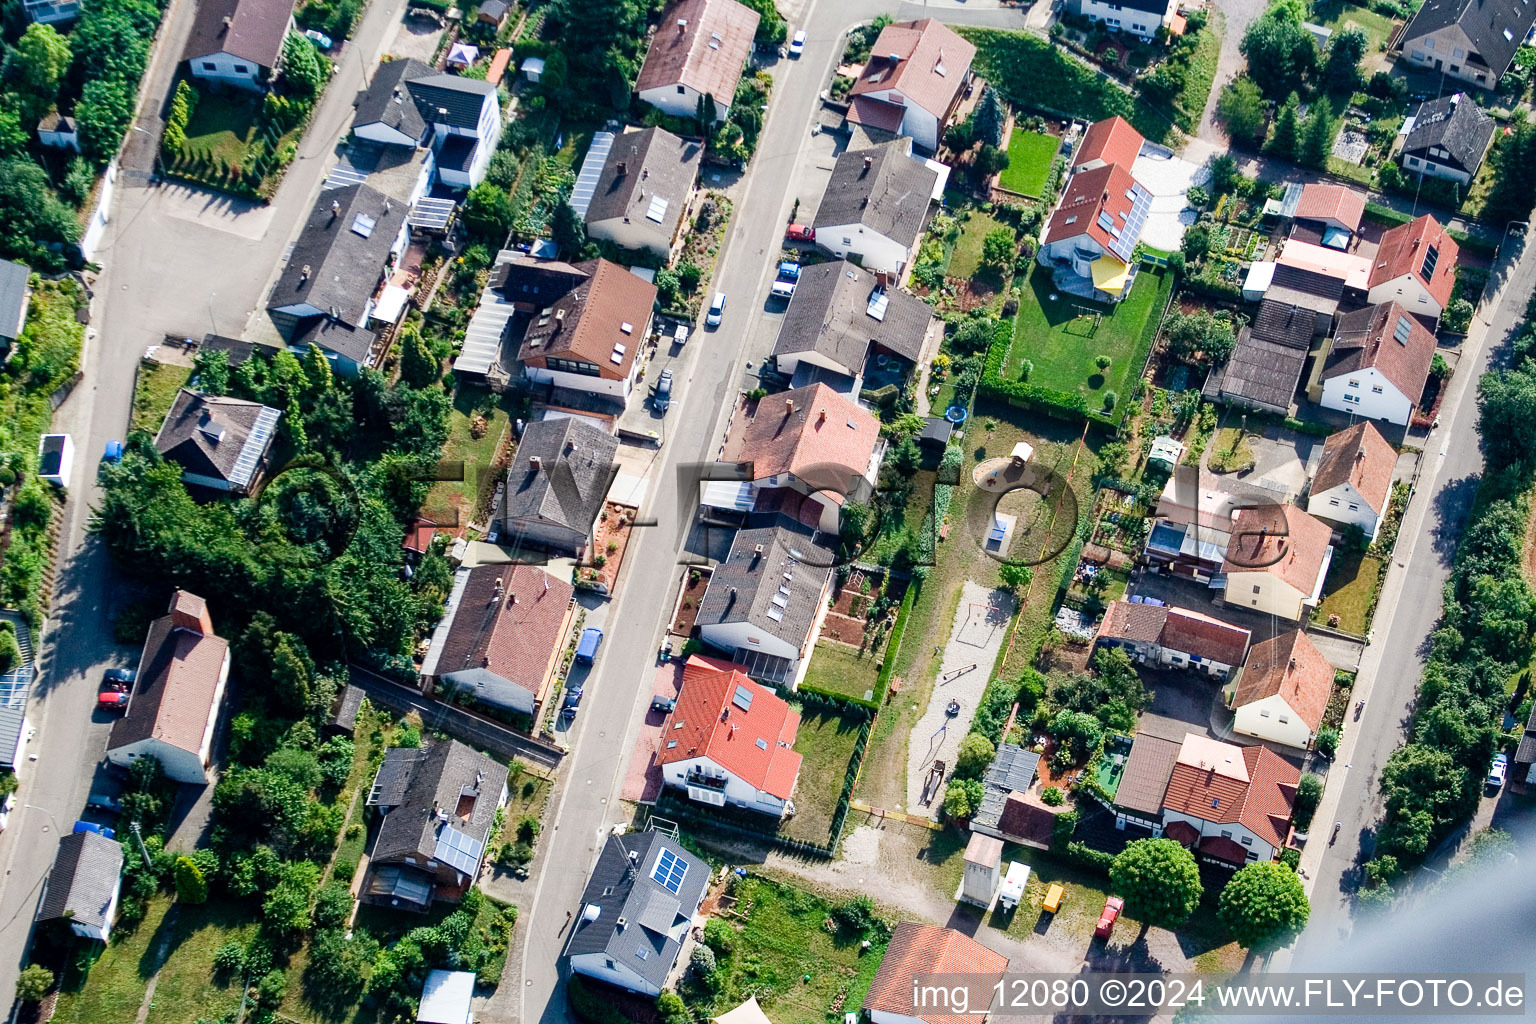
(856, 915)
(271, 988)
(191, 887)
(1327, 742)
(962, 798)
(229, 958)
(1052, 797)
(33, 983)
(333, 906)
(719, 936)
(1308, 791)
(702, 960)
(975, 756)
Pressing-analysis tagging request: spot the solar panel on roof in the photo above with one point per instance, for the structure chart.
(459, 851)
(1431, 259)
(657, 210)
(591, 170)
(363, 224)
(742, 698)
(255, 447)
(1400, 332)
(669, 871)
(1105, 220)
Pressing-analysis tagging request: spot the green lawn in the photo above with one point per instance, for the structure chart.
(1029, 162)
(154, 390)
(451, 502)
(896, 533)
(1350, 590)
(1061, 342)
(223, 124)
(187, 989)
(784, 955)
(113, 990)
(838, 668)
(826, 743)
(1339, 16)
(1202, 74)
(966, 259)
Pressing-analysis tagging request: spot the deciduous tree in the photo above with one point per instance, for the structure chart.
(1241, 109)
(1159, 882)
(1280, 51)
(1264, 906)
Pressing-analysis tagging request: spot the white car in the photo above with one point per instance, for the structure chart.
(716, 310)
(797, 44)
(5, 810)
(1497, 771)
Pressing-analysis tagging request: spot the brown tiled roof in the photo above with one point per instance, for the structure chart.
(930, 66)
(1334, 203)
(587, 322)
(800, 430)
(1402, 252)
(1222, 783)
(1289, 665)
(173, 698)
(1283, 541)
(1112, 140)
(1359, 456)
(688, 54)
(1147, 769)
(1142, 623)
(1089, 193)
(250, 29)
(510, 619)
(1024, 821)
(873, 113)
(1182, 832)
(1228, 850)
(927, 949)
(755, 743)
(1177, 629)
(1369, 337)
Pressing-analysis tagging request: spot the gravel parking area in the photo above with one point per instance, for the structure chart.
(978, 632)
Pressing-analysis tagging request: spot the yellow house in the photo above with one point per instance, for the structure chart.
(1277, 560)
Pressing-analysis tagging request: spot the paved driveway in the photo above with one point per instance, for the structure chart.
(1282, 460)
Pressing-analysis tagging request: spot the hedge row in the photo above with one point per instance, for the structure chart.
(893, 642)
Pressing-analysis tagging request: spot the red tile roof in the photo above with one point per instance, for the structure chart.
(753, 743)
(802, 430)
(1359, 456)
(927, 949)
(1112, 140)
(587, 322)
(682, 54)
(1291, 666)
(873, 113)
(1102, 189)
(929, 69)
(1402, 251)
(1182, 832)
(1285, 542)
(1334, 203)
(510, 619)
(1228, 850)
(1222, 783)
(1177, 629)
(1369, 338)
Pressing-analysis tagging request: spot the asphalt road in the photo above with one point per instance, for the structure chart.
(174, 261)
(1410, 608)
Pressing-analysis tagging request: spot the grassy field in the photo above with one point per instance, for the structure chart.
(965, 261)
(114, 989)
(826, 743)
(782, 942)
(896, 534)
(1339, 16)
(153, 392)
(186, 989)
(1202, 74)
(1029, 162)
(223, 124)
(451, 502)
(1353, 580)
(838, 668)
(1062, 344)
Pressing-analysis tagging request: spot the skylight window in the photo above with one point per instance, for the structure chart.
(363, 225)
(1400, 332)
(762, 744)
(742, 698)
(776, 614)
(657, 211)
(1431, 260)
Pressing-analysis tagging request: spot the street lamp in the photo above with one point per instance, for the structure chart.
(50, 816)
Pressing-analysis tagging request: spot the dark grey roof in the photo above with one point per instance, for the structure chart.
(1259, 373)
(344, 712)
(13, 297)
(386, 101)
(490, 688)
(1012, 771)
(652, 913)
(1456, 124)
(748, 585)
(12, 721)
(889, 194)
(86, 870)
(450, 99)
(569, 484)
(425, 792)
(334, 336)
(936, 431)
(214, 436)
(1296, 286)
(659, 170)
(457, 153)
(253, 30)
(1496, 28)
(1284, 324)
(1525, 753)
(833, 314)
(339, 256)
(236, 350)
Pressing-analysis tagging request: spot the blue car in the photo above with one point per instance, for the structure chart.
(586, 650)
(91, 826)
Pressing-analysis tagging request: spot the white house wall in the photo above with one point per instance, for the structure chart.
(1264, 592)
(384, 134)
(595, 965)
(1343, 505)
(1272, 719)
(730, 635)
(737, 790)
(1432, 169)
(1407, 291)
(875, 251)
(683, 101)
(578, 381)
(1373, 396)
(1234, 831)
(180, 765)
(205, 749)
(1125, 19)
(227, 69)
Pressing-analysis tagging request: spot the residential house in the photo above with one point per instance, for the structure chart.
(916, 75)
(1352, 485)
(1231, 805)
(1472, 41)
(1415, 267)
(220, 443)
(841, 314)
(813, 441)
(928, 949)
(15, 299)
(1376, 365)
(1522, 772)
(697, 51)
(447, 997)
(1090, 238)
(58, 132)
(502, 637)
(1283, 691)
(587, 336)
(84, 884)
(1144, 782)
(1305, 250)
(730, 741)
(555, 486)
(437, 805)
(1010, 775)
(325, 295)
(1165, 637)
(875, 206)
(1193, 523)
(458, 118)
(1139, 17)
(765, 602)
(1266, 364)
(1328, 215)
(636, 911)
(51, 12)
(238, 42)
(1295, 287)
(176, 697)
(1277, 561)
(1449, 139)
(642, 195)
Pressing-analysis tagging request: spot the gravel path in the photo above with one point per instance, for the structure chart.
(978, 632)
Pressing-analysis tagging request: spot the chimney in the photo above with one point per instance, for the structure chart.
(304, 274)
(534, 462)
(622, 169)
(335, 208)
(682, 25)
(868, 162)
(821, 416)
(190, 612)
(228, 21)
(1293, 663)
(789, 407)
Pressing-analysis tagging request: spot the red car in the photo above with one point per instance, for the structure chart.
(801, 233)
(113, 695)
(1112, 907)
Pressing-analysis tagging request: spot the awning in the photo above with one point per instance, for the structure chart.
(735, 495)
(747, 1013)
(1109, 274)
(391, 304)
(1336, 237)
